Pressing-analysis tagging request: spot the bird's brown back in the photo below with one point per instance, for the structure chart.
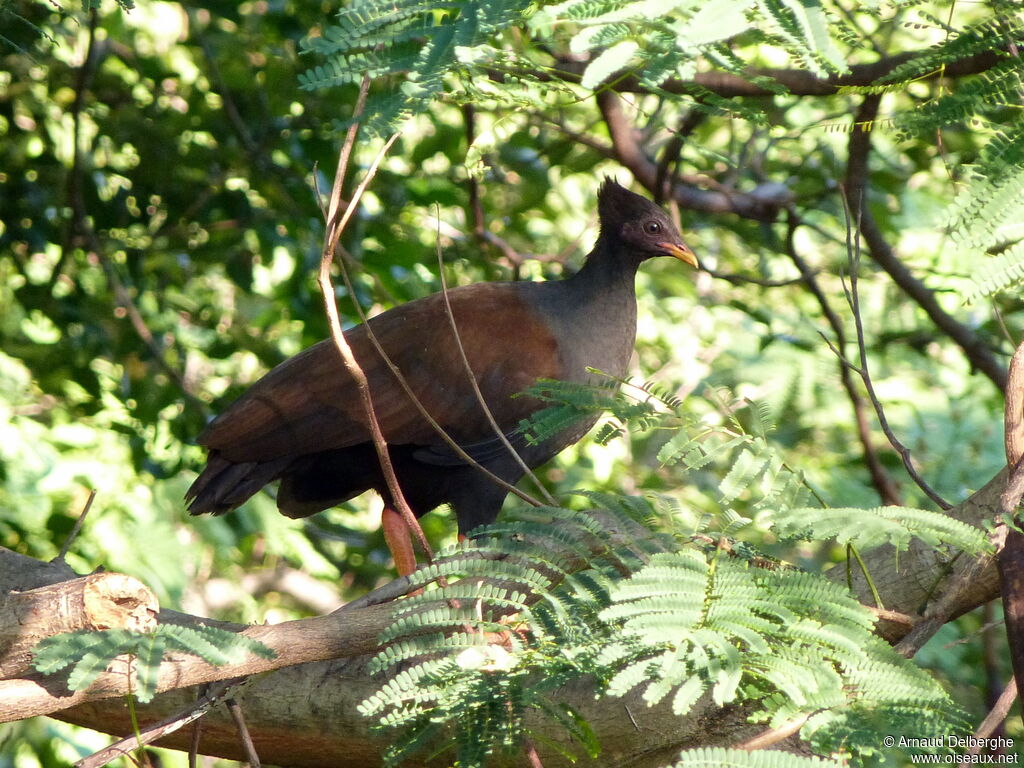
(310, 403)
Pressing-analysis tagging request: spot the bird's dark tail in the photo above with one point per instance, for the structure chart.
(224, 485)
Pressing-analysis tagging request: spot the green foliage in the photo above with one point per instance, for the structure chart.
(426, 41)
(89, 653)
(195, 165)
(740, 445)
(570, 403)
(987, 212)
(684, 624)
(864, 528)
(447, 684)
(718, 757)
(784, 641)
(988, 209)
(453, 49)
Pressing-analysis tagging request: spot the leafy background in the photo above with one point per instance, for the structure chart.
(199, 148)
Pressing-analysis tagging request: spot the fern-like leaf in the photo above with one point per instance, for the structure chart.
(718, 757)
(866, 528)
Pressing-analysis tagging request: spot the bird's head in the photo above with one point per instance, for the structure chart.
(639, 224)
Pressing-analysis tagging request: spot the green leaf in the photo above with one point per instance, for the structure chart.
(608, 63)
(147, 667)
(866, 528)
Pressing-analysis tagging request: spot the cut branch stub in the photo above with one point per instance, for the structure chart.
(95, 602)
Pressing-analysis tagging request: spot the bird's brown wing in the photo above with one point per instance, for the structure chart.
(310, 403)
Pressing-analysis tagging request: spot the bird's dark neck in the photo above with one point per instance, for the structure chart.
(608, 271)
(596, 310)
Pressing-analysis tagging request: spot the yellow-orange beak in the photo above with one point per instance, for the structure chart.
(681, 251)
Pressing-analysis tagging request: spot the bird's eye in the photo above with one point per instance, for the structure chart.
(652, 227)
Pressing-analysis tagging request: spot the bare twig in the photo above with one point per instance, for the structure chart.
(441, 431)
(399, 376)
(763, 204)
(797, 82)
(243, 732)
(215, 693)
(193, 747)
(896, 617)
(852, 296)
(337, 219)
(77, 527)
(973, 347)
(993, 720)
(737, 279)
(476, 208)
(775, 735)
(499, 433)
(880, 478)
(532, 755)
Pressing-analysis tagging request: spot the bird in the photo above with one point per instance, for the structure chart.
(303, 423)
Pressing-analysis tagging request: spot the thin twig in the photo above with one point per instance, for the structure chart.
(880, 478)
(499, 433)
(532, 755)
(407, 388)
(896, 617)
(337, 219)
(346, 258)
(851, 551)
(77, 528)
(628, 150)
(346, 153)
(476, 209)
(193, 746)
(775, 735)
(995, 718)
(738, 279)
(217, 691)
(243, 732)
(853, 298)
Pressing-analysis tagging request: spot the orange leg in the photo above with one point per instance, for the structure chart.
(396, 534)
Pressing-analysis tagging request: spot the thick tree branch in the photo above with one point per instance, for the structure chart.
(1010, 559)
(797, 82)
(345, 633)
(98, 601)
(296, 714)
(763, 204)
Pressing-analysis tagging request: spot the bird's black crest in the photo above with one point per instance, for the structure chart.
(616, 204)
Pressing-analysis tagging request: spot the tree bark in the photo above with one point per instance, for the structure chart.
(97, 601)
(306, 714)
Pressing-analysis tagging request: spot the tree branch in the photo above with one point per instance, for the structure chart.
(763, 204)
(1010, 559)
(797, 82)
(887, 489)
(857, 190)
(291, 726)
